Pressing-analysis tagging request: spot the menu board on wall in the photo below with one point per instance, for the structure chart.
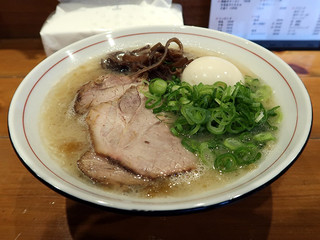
(283, 22)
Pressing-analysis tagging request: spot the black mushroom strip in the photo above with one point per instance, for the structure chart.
(156, 61)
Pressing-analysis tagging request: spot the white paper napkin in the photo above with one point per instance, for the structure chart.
(77, 19)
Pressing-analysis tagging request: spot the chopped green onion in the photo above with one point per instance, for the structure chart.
(226, 126)
(247, 154)
(206, 155)
(194, 115)
(259, 117)
(184, 100)
(190, 144)
(158, 86)
(218, 130)
(226, 162)
(264, 137)
(152, 102)
(194, 130)
(220, 84)
(232, 143)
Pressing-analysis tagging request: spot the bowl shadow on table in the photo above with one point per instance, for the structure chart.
(248, 218)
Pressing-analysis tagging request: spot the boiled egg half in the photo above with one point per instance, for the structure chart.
(210, 69)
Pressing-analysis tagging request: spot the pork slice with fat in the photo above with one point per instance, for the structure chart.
(105, 88)
(130, 134)
(101, 169)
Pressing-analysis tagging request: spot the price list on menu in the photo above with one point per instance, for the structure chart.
(267, 19)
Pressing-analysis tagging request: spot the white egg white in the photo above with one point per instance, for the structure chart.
(210, 69)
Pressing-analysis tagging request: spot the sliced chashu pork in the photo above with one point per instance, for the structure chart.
(105, 88)
(101, 169)
(131, 135)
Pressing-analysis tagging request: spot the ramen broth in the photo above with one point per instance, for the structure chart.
(66, 137)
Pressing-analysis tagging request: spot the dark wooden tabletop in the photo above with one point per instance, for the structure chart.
(289, 208)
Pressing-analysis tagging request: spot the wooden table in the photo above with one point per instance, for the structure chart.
(289, 208)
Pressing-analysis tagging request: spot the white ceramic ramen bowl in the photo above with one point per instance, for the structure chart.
(289, 91)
